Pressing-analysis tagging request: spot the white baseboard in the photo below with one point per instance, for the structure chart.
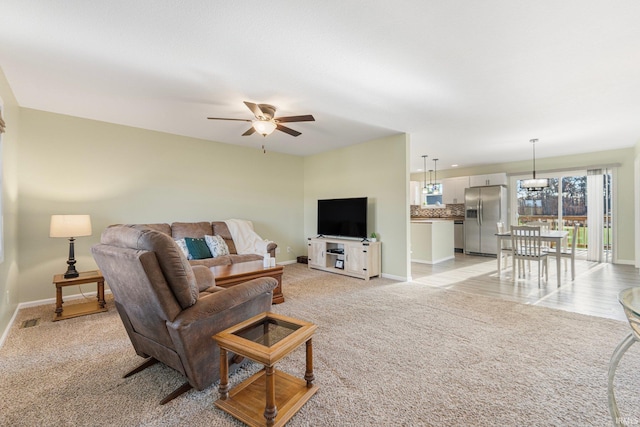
(291, 261)
(625, 262)
(394, 277)
(423, 261)
(6, 331)
(43, 302)
(53, 300)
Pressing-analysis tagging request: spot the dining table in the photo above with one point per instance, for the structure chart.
(553, 236)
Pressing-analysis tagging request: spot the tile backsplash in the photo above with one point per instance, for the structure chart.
(453, 210)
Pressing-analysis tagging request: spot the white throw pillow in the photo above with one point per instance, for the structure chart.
(217, 245)
(183, 245)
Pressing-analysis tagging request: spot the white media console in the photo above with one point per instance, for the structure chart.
(361, 259)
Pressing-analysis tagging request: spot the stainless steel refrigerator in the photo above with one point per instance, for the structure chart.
(484, 207)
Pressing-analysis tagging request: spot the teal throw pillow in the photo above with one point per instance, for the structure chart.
(198, 248)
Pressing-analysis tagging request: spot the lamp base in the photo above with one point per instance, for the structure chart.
(71, 262)
(71, 274)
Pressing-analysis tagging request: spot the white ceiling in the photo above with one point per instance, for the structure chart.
(471, 81)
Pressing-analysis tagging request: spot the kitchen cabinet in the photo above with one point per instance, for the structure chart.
(453, 189)
(489, 179)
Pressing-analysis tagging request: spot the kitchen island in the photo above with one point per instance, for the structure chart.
(431, 240)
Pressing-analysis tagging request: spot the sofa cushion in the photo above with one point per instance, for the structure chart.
(190, 229)
(174, 265)
(212, 262)
(246, 257)
(198, 248)
(217, 246)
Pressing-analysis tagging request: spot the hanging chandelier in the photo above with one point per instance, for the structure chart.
(534, 184)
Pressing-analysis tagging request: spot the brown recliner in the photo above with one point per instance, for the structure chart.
(170, 309)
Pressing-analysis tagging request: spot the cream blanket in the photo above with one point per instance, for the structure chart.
(246, 240)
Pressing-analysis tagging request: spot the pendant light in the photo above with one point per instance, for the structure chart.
(424, 189)
(534, 184)
(434, 188)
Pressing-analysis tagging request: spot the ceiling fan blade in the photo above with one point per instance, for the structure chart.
(288, 130)
(249, 131)
(254, 109)
(220, 118)
(307, 118)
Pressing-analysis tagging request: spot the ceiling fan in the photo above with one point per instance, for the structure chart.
(266, 122)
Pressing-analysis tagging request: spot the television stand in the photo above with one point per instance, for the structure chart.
(347, 257)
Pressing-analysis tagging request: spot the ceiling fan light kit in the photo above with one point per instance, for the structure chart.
(264, 127)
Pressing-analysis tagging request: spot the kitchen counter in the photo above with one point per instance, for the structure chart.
(447, 218)
(431, 240)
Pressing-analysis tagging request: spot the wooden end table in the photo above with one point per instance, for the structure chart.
(80, 309)
(233, 274)
(266, 338)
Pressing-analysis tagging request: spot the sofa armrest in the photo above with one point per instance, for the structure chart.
(271, 248)
(204, 277)
(218, 302)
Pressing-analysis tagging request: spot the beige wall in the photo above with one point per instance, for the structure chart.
(636, 180)
(378, 170)
(119, 174)
(9, 146)
(624, 186)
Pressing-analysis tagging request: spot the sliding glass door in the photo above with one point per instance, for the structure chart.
(579, 198)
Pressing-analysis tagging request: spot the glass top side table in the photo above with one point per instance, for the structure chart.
(266, 339)
(630, 300)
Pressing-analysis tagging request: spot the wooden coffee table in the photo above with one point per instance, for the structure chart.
(266, 338)
(233, 274)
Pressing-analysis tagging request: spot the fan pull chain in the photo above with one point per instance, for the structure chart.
(264, 151)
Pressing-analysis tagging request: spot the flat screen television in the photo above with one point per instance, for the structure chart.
(343, 217)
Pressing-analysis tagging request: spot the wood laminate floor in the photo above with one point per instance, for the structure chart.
(593, 292)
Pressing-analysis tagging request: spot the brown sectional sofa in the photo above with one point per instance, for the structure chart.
(180, 230)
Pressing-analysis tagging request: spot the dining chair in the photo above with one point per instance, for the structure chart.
(527, 246)
(506, 249)
(569, 253)
(545, 227)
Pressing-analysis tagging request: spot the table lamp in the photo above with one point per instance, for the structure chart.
(70, 226)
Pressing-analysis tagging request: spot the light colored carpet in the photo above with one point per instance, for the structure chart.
(385, 353)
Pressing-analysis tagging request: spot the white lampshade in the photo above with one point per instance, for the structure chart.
(535, 184)
(264, 127)
(70, 226)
